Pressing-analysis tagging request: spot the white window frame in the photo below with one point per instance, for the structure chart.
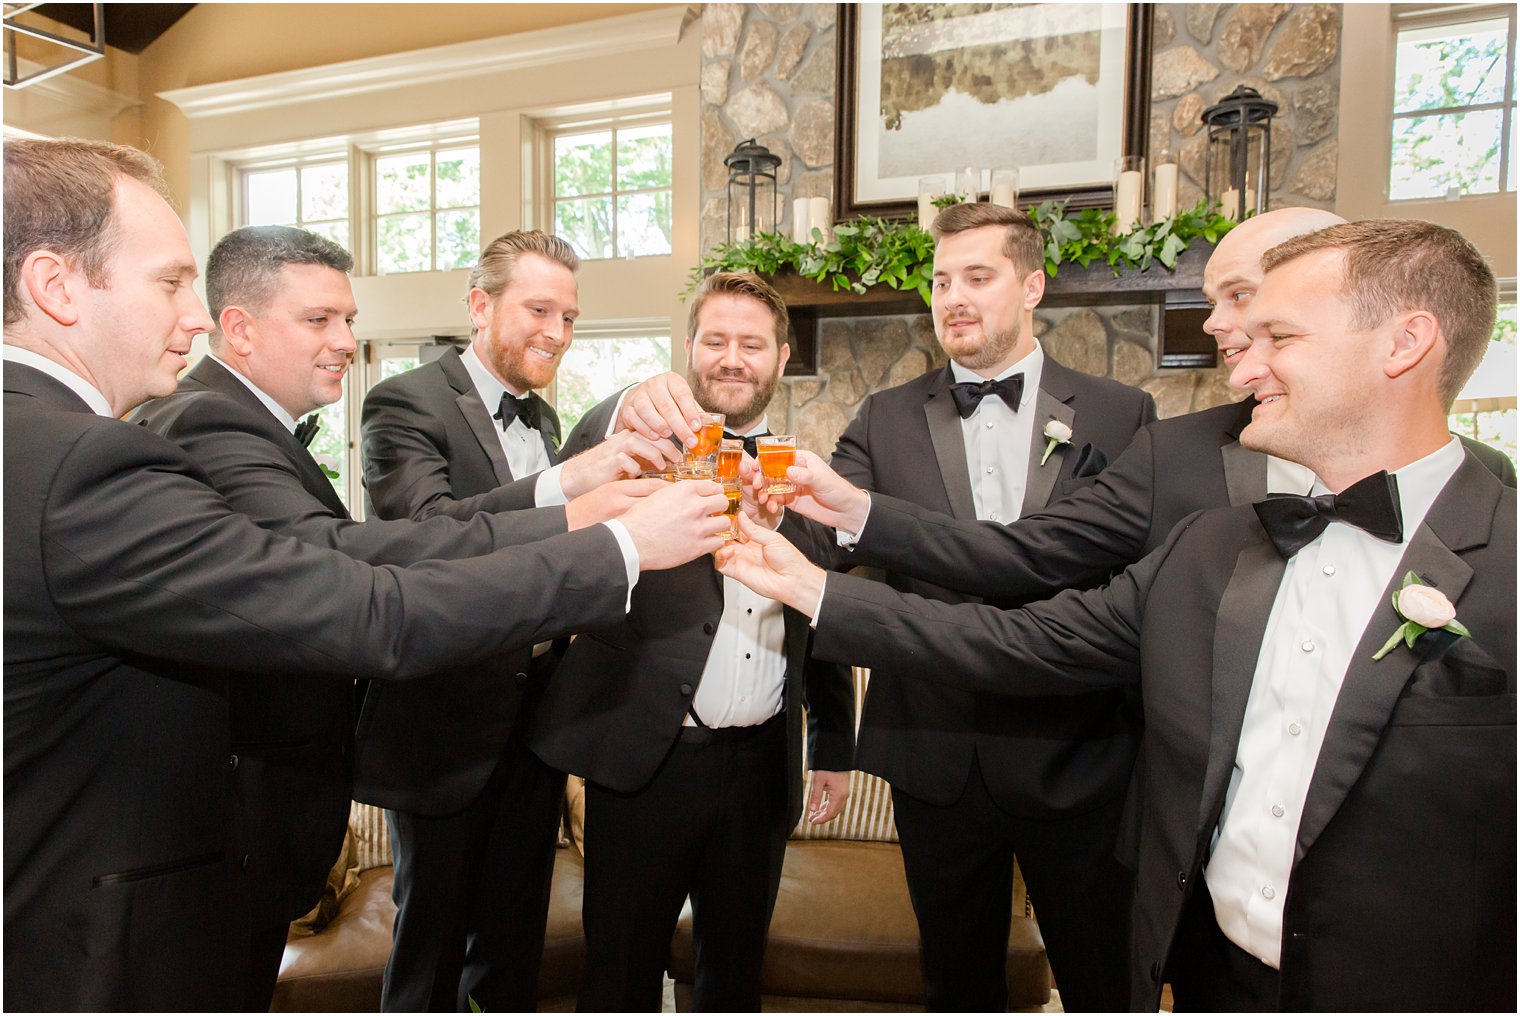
(241, 171)
(1416, 16)
(549, 129)
(373, 215)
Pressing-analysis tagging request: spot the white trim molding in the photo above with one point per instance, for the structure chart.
(623, 34)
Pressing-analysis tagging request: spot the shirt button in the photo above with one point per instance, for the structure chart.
(1277, 811)
(989, 424)
(1267, 892)
(749, 610)
(1328, 569)
(746, 656)
(989, 470)
(1307, 646)
(1295, 729)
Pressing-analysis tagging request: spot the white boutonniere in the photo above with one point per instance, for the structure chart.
(1058, 434)
(1423, 608)
(327, 464)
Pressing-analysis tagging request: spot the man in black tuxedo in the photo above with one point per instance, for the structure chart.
(473, 814)
(132, 588)
(976, 780)
(284, 311)
(687, 719)
(1171, 469)
(1328, 681)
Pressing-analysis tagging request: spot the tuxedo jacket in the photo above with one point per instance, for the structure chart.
(616, 706)
(293, 736)
(1402, 893)
(131, 587)
(1171, 469)
(1060, 756)
(431, 449)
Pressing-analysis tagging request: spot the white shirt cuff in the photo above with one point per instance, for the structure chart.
(818, 607)
(630, 557)
(617, 413)
(547, 492)
(848, 540)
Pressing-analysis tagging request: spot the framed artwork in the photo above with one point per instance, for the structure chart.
(1058, 91)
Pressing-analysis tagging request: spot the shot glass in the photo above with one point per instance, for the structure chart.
(730, 454)
(777, 453)
(733, 489)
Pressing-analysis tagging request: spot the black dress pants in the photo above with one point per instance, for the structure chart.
(713, 824)
(472, 893)
(959, 863)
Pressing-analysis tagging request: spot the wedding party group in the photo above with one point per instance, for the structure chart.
(1235, 688)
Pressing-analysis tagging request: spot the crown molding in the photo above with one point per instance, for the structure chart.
(608, 36)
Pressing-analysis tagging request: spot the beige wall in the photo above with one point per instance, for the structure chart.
(1366, 101)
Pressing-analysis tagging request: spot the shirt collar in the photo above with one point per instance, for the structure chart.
(286, 420)
(1030, 366)
(1420, 483)
(761, 426)
(91, 395)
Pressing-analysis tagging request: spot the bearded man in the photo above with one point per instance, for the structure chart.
(686, 720)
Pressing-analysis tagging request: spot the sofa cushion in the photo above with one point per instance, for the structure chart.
(844, 928)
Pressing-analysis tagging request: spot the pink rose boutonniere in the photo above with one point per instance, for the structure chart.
(1423, 608)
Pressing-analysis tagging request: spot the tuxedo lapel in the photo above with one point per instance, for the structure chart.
(949, 446)
(1460, 519)
(1245, 471)
(476, 414)
(1052, 403)
(1239, 628)
(212, 376)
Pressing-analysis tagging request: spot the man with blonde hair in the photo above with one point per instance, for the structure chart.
(1328, 679)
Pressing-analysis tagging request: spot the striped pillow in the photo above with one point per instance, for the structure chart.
(867, 814)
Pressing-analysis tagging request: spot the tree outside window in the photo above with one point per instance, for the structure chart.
(1454, 109)
(612, 190)
(313, 197)
(1488, 401)
(594, 368)
(427, 206)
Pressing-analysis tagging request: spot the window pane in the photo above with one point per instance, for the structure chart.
(583, 164)
(401, 183)
(337, 231)
(324, 191)
(271, 197)
(1450, 65)
(644, 157)
(587, 225)
(593, 369)
(458, 239)
(1432, 154)
(405, 243)
(393, 365)
(458, 178)
(330, 446)
(644, 224)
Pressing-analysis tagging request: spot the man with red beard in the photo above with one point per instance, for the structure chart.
(686, 719)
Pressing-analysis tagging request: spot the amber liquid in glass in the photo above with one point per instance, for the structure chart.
(774, 462)
(728, 463)
(708, 439)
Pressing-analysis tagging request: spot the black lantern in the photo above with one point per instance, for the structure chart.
(1240, 152)
(752, 198)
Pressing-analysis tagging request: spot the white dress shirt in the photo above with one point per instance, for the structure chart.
(745, 675)
(523, 446)
(1328, 593)
(91, 395)
(998, 441)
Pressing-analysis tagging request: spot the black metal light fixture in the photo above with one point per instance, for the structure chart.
(753, 204)
(1239, 158)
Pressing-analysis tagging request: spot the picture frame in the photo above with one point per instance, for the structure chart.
(877, 173)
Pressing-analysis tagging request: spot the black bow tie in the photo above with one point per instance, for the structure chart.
(1371, 504)
(307, 429)
(969, 394)
(748, 439)
(513, 408)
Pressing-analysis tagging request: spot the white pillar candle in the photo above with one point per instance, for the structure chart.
(926, 210)
(819, 217)
(802, 224)
(1127, 201)
(1229, 204)
(1164, 196)
(1002, 194)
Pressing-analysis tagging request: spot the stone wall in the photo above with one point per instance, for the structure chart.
(768, 71)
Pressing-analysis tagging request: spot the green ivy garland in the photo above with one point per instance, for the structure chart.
(869, 251)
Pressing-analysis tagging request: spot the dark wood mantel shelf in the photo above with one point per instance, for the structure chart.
(808, 302)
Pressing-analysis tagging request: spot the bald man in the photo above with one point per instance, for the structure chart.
(1171, 469)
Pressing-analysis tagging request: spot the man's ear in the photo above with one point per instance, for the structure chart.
(480, 308)
(236, 324)
(1416, 335)
(1034, 288)
(53, 286)
(782, 355)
